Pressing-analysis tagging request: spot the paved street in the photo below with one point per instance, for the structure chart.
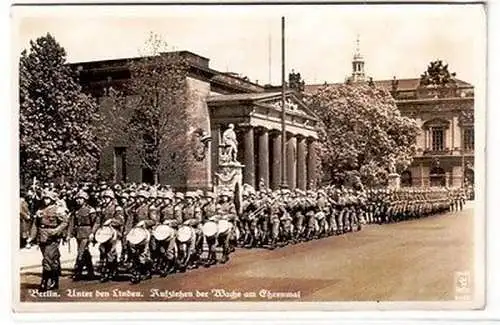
(414, 260)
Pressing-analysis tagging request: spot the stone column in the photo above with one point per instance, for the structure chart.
(214, 147)
(249, 158)
(263, 156)
(276, 164)
(301, 163)
(291, 161)
(311, 164)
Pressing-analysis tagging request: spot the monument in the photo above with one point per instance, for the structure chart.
(229, 175)
(394, 179)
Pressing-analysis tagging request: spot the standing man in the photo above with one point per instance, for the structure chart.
(48, 228)
(80, 227)
(25, 220)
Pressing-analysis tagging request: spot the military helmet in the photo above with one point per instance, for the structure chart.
(50, 195)
(210, 194)
(108, 193)
(143, 193)
(179, 195)
(190, 195)
(82, 194)
(168, 195)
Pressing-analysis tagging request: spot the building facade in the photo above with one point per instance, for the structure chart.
(445, 145)
(216, 100)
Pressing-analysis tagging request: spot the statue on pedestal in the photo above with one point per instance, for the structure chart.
(394, 178)
(229, 145)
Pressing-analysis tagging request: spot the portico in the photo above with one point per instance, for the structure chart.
(257, 120)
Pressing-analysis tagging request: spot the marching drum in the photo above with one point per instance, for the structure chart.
(184, 234)
(162, 232)
(137, 236)
(209, 229)
(223, 226)
(105, 234)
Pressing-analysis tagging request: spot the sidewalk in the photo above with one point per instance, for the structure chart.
(31, 259)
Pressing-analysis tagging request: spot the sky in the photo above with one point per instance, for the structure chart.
(395, 40)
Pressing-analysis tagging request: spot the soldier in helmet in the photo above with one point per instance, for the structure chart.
(49, 227)
(144, 216)
(110, 214)
(248, 219)
(192, 216)
(276, 208)
(209, 213)
(80, 227)
(323, 206)
(227, 210)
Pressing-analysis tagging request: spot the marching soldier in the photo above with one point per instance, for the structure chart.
(209, 212)
(80, 227)
(145, 216)
(110, 214)
(49, 226)
(191, 215)
(167, 249)
(227, 211)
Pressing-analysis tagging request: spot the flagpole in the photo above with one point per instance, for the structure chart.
(283, 125)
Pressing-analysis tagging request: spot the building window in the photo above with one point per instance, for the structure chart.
(120, 164)
(437, 135)
(468, 141)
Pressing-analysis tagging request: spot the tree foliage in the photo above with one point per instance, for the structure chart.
(151, 112)
(363, 133)
(59, 125)
(437, 74)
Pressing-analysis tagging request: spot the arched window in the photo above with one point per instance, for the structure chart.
(406, 179)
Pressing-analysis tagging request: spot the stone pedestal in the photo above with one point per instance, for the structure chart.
(394, 181)
(229, 177)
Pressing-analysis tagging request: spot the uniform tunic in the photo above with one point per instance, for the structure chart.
(80, 227)
(48, 228)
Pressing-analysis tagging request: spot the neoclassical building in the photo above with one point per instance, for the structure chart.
(215, 100)
(445, 146)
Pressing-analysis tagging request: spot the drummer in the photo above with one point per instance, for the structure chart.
(227, 211)
(192, 216)
(209, 212)
(145, 217)
(110, 215)
(165, 251)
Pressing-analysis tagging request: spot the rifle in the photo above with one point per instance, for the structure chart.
(255, 213)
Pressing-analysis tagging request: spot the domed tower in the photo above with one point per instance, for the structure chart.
(358, 65)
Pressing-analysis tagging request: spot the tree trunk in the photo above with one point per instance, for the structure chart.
(155, 178)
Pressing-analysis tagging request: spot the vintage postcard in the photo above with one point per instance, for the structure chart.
(249, 157)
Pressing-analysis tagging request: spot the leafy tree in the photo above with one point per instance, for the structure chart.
(59, 125)
(437, 74)
(363, 132)
(150, 113)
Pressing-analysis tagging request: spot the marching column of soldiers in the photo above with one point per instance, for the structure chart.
(144, 230)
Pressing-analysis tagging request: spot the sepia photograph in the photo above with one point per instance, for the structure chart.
(249, 157)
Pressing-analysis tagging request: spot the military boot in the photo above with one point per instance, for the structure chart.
(146, 271)
(90, 267)
(53, 280)
(77, 271)
(43, 283)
